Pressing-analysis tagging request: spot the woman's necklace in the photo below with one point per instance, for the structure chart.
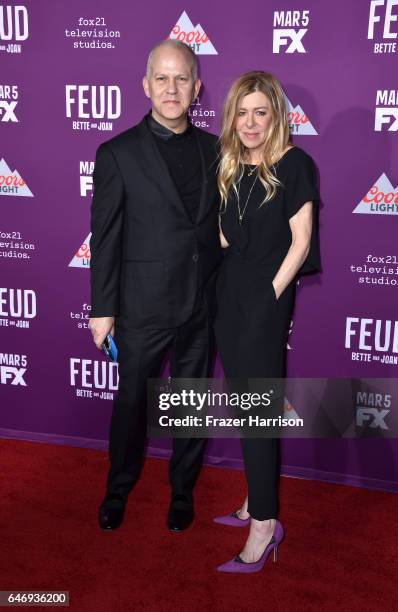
(242, 212)
(252, 171)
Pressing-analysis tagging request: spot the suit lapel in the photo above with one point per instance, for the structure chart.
(208, 162)
(203, 190)
(155, 168)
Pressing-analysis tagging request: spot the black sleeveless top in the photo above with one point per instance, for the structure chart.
(264, 237)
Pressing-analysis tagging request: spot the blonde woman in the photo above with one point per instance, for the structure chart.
(267, 189)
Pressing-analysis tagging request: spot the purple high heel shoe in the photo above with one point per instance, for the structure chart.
(238, 566)
(232, 520)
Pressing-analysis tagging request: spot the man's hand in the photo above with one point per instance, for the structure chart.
(100, 328)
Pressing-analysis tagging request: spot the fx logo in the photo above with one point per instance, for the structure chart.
(386, 116)
(282, 38)
(7, 110)
(12, 374)
(86, 179)
(86, 185)
(372, 416)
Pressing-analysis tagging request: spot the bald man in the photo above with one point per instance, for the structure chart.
(154, 254)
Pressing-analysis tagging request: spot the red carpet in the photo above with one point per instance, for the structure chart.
(340, 550)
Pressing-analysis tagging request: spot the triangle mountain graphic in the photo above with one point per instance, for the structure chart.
(194, 36)
(13, 181)
(81, 258)
(381, 199)
(288, 410)
(299, 123)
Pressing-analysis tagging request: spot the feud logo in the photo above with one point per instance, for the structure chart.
(93, 374)
(289, 30)
(8, 102)
(386, 113)
(372, 340)
(14, 27)
(93, 379)
(93, 106)
(18, 303)
(383, 17)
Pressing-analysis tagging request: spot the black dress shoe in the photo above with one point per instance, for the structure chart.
(111, 513)
(180, 514)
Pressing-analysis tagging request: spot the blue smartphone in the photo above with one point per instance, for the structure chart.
(109, 347)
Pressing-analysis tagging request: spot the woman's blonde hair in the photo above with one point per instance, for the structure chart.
(233, 152)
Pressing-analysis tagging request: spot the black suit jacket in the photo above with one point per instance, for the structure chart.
(148, 258)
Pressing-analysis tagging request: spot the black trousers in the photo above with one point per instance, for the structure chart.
(141, 354)
(251, 331)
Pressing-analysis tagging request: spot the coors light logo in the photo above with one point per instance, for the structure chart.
(299, 123)
(194, 36)
(81, 258)
(381, 199)
(12, 183)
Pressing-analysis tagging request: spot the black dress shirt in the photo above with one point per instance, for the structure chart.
(181, 155)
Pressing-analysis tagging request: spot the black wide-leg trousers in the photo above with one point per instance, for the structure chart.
(251, 332)
(141, 354)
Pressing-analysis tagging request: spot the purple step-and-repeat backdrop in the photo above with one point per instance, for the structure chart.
(71, 78)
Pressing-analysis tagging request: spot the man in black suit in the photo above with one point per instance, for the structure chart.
(154, 254)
